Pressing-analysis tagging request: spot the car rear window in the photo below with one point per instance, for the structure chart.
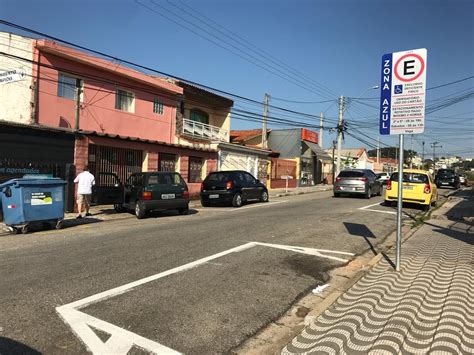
(448, 173)
(416, 178)
(351, 173)
(165, 179)
(219, 177)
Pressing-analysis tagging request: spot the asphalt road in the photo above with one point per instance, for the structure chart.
(209, 307)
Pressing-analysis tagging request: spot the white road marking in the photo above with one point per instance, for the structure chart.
(375, 204)
(367, 208)
(121, 340)
(309, 251)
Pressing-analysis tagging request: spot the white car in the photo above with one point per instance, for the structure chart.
(383, 178)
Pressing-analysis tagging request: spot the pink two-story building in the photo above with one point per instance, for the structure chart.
(124, 121)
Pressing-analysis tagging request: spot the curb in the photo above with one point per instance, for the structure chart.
(407, 232)
(295, 193)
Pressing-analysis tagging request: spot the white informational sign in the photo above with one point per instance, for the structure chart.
(12, 75)
(403, 89)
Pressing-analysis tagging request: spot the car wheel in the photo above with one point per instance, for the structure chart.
(380, 191)
(237, 200)
(183, 211)
(140, 211)
(264, 197)
(368, 195)
(118, 208)
(388, 203)
(426, 208)
(336, 194)
(205, 204)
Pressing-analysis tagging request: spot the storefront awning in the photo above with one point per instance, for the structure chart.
(318, 151)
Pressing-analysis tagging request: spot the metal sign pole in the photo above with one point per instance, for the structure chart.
(399, 203)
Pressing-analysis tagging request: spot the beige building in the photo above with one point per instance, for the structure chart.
(203, 118)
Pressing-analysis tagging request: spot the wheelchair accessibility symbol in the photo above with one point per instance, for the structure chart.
(398, 89)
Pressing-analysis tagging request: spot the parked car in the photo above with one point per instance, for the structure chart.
(447, 177)
(383, 177)
(232, 188)
(462, 179)
(144, 192)
(357, 182)
(418, 187)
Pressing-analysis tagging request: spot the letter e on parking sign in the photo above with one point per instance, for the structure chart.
(403, 91)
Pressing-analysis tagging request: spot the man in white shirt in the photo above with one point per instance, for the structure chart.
(84, 181)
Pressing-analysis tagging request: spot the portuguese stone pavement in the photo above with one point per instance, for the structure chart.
(428, 307)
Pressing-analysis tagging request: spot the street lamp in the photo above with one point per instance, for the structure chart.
(340, 126)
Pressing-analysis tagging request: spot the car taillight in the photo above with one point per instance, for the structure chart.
(229, 185)
(146, 195)
(389, 184)
(364, 179)
(202, 186)
(338, 179)
(427, 189)
(186, 193)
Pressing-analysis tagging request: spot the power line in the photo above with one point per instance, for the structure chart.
(236, 50)
(302, 102)
(246, 44)
(450, 83)
(102, 54)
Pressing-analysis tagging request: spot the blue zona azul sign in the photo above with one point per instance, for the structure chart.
(386, 94)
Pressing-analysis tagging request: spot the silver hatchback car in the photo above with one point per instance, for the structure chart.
(357, 182)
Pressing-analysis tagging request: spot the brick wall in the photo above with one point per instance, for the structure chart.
(211, 166)
(81, 153)
(183, 167)
(152, 161)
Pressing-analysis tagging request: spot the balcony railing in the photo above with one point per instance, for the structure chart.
(197, 130)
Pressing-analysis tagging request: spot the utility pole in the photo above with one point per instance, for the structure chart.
(435, 145)
(78, 103)
(378, 150)
(321, 122)
(264, 129)
(333, 170)
(422, 153)
(340, 127)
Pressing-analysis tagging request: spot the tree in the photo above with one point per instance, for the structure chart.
(392, 152)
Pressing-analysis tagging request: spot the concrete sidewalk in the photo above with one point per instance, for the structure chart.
(426, 308)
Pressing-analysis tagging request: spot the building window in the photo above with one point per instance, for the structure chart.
(158, 107)
(68, 86)
(199, 116)
(167, 162)
(124, 100)
(195, 169)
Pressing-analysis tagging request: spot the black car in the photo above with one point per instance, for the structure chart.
(144, 192)
(232, 188)
(447, 177)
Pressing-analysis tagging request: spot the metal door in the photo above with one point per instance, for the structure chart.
(108, 189)
(122, 162)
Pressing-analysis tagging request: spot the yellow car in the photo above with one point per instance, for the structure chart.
(418, 187)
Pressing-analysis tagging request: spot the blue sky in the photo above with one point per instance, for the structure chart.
(337, 44)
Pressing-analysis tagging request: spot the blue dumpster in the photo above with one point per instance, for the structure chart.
(32, 201)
